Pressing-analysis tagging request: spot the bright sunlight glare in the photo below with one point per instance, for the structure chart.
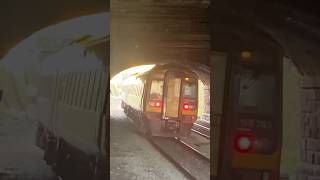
(129, 72)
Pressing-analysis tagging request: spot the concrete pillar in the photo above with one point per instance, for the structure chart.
(290, 157)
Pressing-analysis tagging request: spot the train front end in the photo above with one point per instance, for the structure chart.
(172, 102)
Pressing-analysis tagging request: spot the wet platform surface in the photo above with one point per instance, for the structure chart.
(20, 159)
(132, 156)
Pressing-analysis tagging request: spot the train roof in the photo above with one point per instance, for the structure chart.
(71, 58)
(168, 66)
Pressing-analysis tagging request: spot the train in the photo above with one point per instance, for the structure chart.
(73, 108)
(162, 101)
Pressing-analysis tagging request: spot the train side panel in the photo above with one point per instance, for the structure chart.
(72, 110)
(133, 89)
(78, 128)
(44, 105)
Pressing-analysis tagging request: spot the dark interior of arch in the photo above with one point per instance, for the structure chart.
(20, 19)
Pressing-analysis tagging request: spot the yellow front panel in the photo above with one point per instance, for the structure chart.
(153, 109)
(189, 112)
(256, 161)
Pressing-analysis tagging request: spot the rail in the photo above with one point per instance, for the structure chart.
(188, 160)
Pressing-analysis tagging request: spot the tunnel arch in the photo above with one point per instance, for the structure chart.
(22, 18)
(22, 64)
(202, 70)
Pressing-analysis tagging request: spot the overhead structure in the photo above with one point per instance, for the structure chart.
(151, 31)
(22, 18)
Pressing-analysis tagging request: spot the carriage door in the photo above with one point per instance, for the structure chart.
(171, 100)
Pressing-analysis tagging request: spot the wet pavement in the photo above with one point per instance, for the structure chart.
(132, 156)
(20, 159)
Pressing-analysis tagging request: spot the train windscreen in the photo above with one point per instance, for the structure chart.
(156, 93)
(156, 90)
(190, 90)
(257, 94)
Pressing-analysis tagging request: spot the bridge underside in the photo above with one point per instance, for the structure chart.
(20, 19)
(153, 32)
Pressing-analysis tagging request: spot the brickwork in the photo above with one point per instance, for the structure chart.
(310, 122)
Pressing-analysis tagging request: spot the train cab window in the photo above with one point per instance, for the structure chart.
(257, 94)
(190, 90)
(155, 95)
(156, 90)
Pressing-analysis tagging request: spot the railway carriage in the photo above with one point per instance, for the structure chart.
(73, 96)
(162, 101)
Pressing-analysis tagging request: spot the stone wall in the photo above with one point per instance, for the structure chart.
(310, 141)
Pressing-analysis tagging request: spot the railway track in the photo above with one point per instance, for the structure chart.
(194, 149)
(186, 158)
(201, 134)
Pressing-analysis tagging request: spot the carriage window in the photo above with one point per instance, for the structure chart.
(99, 51)
(85, 89)
(93, 86)
(89, 93)
(72, 87)
(78, 95)
(156, 89)
(190, 90)
(68, 88)
(64, 89)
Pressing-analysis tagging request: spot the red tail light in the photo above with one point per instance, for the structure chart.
(157, 104)
(244, 142)
(186, 106)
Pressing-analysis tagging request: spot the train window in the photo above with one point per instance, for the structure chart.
(64, 92)
(89, 93)
(95, 90)
(98, 50)
(190, 90)
(92, 90)
(78, 94)
(100, 92)
(61, 88)
(70, 88)
(82, 90)
(156, 90)
(257, 94)
(67, 87)
(74, 89)
(73, 82)
(87, 87)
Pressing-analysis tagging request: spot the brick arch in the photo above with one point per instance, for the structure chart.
(21, 18)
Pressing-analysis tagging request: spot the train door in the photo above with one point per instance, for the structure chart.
(164, 100)
(172, 97)
(179, 104)
(246, 115)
